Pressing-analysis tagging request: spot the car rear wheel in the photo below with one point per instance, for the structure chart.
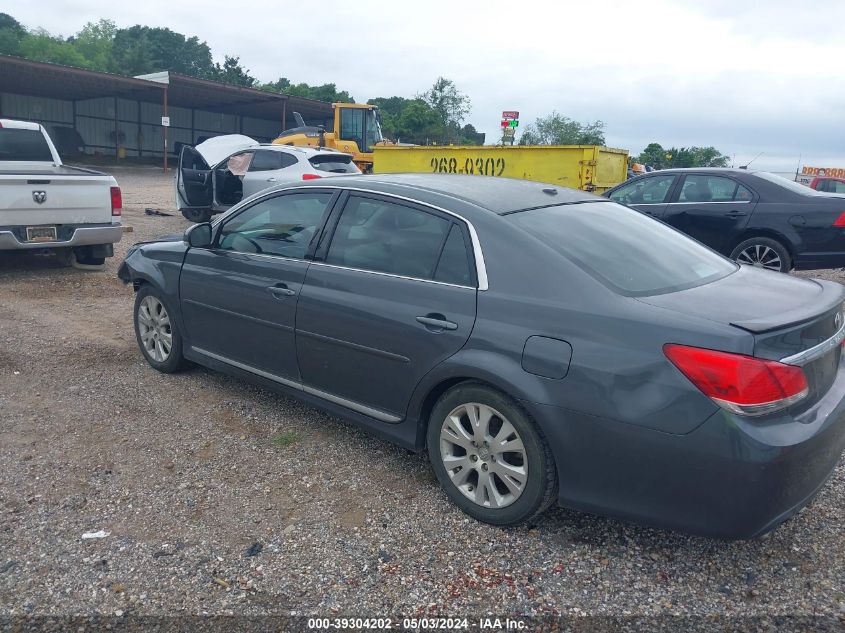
(762, 252)
(157, 334)
(197, 215)
(489, 456)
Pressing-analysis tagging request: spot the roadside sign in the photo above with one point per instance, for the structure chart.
(165, 121)
(510, 123)
(510, 114)
(509, 131)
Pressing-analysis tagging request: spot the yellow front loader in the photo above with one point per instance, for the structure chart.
(356, 130)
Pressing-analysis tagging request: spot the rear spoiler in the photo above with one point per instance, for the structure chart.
(833, 294)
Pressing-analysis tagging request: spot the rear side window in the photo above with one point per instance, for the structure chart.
(24, 145)
(390, 238)
(632, 254)
(266, 160)
(701, 188)
(336, 164)
(453, 266)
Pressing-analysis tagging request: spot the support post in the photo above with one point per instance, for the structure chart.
(284, 114)
(164, 128)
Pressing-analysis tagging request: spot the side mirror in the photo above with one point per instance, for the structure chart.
(198, 235)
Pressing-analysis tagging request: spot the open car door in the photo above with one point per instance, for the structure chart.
(193, 181)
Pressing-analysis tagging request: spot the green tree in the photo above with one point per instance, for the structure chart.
(556, 129)
(231, 72)
(94, 42)
(419, 123)
(695, 157)
(39, 45)
(653, 155)
(143, 49)
(452, 104)
(11, 34)
(326, 92)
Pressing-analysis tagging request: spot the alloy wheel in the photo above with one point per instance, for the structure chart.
(154, 328)
(761, 256)
(483, 455)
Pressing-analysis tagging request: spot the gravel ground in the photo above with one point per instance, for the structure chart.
(222, 498)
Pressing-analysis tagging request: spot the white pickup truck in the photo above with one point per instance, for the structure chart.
(47, 205)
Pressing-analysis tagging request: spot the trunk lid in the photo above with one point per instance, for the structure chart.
(786, 315)
(55, 195)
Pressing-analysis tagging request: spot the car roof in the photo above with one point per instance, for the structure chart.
(499, 195)
(306, 151)
(715, 170)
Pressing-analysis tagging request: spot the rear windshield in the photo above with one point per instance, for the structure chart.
(24, 145)
(632, 254)
(337, 164)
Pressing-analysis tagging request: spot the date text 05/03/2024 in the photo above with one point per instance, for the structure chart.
(418, 624)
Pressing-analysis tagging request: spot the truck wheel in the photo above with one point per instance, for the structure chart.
(197, 216)
(762, 252)
(84, 259)
(490, 458)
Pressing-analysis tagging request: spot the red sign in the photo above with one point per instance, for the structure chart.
(510, 114)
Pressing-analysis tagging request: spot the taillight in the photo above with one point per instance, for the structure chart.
(840, 221)
(116, 202)
(310, 176)
(741, 384)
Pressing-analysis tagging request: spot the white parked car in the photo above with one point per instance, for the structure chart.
(47, 205)
(222, 171)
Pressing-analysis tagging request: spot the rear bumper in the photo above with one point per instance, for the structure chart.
(729, 478)
(79, 236)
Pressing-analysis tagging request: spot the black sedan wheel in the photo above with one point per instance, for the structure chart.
(762, 252)
(489, 456)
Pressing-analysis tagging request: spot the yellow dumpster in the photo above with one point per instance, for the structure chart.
(586, 167)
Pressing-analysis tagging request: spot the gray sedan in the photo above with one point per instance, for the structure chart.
(544, 345)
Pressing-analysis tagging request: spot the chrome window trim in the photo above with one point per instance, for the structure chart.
(395, 276)
(714, 202)
(298, 386)
(817, 351)
(480, 265)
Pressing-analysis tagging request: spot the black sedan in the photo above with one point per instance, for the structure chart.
(753, 217)
(542, 344)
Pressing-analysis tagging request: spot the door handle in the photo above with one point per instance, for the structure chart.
(280, 291)
(437, 322)
(271, 180)
(735, 214)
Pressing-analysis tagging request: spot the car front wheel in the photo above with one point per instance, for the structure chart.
(489, 456)
(762, 252)
(156, 331)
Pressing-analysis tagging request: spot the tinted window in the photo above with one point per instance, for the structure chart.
(283, 225)
(787, 184)
(454, 264)
(644, 191)
(335, 163)
(629, 252)
(701, 188)
(24, 145)
(266, 160)
(389, 238)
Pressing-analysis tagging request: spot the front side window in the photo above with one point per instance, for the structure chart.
(386, 237)
(352, 126)
(628, 252)
(652, 190)
(283, 225)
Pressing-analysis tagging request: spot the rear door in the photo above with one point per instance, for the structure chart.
(193, 180)
(239, 296)
(647, 195)
(388, 298)
(712, 209)
(267, 168)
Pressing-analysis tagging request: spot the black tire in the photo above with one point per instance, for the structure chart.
(174, 361)
(758, 251)
(197, 216)
(540, 488)
(83, 255)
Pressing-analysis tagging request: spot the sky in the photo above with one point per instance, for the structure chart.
(744, 76)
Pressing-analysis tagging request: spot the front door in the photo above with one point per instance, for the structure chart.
(647, 194)
(193, 181)
(712, 209)
(394, 295)
(239, 296)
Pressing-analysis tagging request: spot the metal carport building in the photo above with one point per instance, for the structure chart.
(122, 116)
